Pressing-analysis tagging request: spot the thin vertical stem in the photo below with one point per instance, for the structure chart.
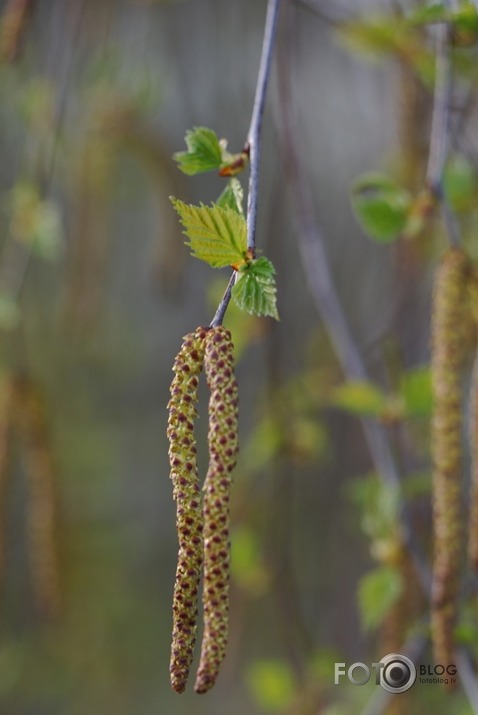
(254, 135)
(253, 144)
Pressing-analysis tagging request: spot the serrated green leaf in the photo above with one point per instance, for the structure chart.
(232, 196)
(217, 235)
(255, 289)
(203, 154)
(381, 206)
(416, 390)
(359, 397)
(378, 590)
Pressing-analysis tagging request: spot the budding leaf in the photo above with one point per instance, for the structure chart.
(232, 196)
(217, 235)
(359, 397)
(255, 289)
(381, 206)
(203, 154)
(378, 591)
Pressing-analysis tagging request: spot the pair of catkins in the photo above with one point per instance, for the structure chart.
(202, 520)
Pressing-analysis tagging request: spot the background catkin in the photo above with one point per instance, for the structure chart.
(6, 402)
(189, 517)
(473, 435)
(449, 343)
(12, 26)
(42, 521)
(223, 448)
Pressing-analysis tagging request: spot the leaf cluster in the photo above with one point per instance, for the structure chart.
(218, 233)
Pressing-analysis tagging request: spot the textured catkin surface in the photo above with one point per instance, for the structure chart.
(449, 346)
(189, 517)
(473, 436)
(473, 526)
(223, 448)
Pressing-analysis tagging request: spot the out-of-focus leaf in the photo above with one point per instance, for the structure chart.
(306, 439)
(465, 24)
(381, 206)
(429, 14)
(247, 566)
(217, 235)
(379, 504)
(232, 196)
(378, 591)
(255, 288)
(9, 312)
(264, 444)
(416, 391)
(376, 36)
(271, 684)
(460, 184)
(35, 221)
(417, 485)
(359, 397)
(203, 154)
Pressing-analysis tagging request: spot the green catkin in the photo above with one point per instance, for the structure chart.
(449, 347)
(473, 435)
(223, 448)
(189, 517)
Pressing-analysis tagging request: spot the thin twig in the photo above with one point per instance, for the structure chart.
(322, 288)
(468, 677)
(253, 144)
(254, 134)
(222, 307)
(329, 10)
(381, 698)
(15, 258)
(440, 130)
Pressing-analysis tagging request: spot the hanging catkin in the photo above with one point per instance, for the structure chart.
(42, 511)
(223, 447)
(473, 434)
(12, 26)
(189, 518)
(6, 400)
(449, 343)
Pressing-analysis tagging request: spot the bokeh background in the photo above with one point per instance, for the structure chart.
(97, 290)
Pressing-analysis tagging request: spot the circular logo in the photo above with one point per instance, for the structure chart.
(398, 673)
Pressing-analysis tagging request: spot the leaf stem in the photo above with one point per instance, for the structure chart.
(222, 307)
(253, 145)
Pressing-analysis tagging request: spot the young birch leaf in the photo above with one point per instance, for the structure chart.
(255, 289)
(217, 235)
(203, 154)
(381, 206)
(378, 591)
(232, 197)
